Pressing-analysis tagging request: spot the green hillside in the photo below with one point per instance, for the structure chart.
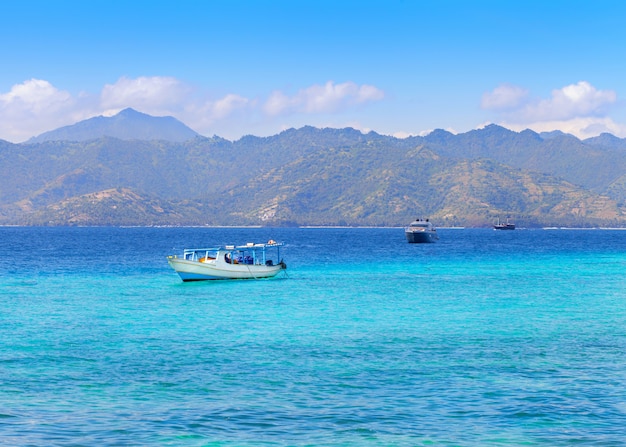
(312, 176)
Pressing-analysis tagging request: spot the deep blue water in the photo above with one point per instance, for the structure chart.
(484, 338)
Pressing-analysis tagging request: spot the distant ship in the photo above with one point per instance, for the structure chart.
(504, 226)
(420, 231)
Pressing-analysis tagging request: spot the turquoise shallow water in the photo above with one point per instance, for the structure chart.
(484, 338)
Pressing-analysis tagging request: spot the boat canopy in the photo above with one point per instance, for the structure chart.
(248, 246)
(255, 251)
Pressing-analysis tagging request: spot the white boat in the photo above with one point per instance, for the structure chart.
(421, 230)
(249, 261)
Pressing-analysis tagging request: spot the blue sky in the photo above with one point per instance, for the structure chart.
(397, 67)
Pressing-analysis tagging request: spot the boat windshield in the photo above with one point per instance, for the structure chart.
(196, 254)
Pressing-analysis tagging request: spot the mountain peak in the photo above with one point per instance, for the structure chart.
(608, 140)
(128, 124)
(129, 111)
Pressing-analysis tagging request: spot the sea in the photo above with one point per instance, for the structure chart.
(484, 338)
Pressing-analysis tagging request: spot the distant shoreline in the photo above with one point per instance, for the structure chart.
(330, 227)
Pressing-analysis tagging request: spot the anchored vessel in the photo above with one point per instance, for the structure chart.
(421, 231)
(504, 226)
(249, 261)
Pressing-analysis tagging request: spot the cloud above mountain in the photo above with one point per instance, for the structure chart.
(32, 106)
(579, 109)
(144, 93)
(36, 106)
(329, 97)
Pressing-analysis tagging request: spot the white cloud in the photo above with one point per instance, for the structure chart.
(579, 109)
(579, 127)
(206, 116)
(35, 94)
(168, 96)
(30, 107)
(227, 105)
(327, 98)
(504, 97)
(402, 134)
(574, 101)
(156, 94)
(36, 106)
(278, 103)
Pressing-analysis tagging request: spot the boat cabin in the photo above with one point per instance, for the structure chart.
(249, 254)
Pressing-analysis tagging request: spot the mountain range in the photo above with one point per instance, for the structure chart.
(136, 169)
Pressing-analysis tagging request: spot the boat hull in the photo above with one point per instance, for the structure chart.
(420, 237)
(202, 271)
(504, 227)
